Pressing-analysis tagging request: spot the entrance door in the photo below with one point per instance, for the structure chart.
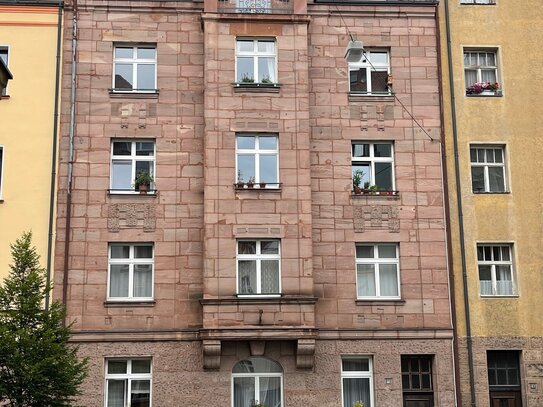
(417, 383)
(505, 399)
(418, 400)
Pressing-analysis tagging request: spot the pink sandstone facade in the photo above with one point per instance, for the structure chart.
(196, 326)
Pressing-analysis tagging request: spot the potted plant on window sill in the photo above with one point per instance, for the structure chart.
(484, 88)
(251, 182)
(143, 182)
(357, 179)
(358, 404)
(261, 405)
(240, 182)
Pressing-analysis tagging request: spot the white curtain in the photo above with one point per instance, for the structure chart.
(488, 75)
(356, 389)
(270, 391)
(244, 391)
(366, 280)
(388, 280)
(247, 277)
(118, 284)
(269, 270)
(504, 283)
(140, 393)
(471, 77)
(143, 276)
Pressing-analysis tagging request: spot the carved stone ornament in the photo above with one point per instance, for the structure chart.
(131, 215)
(376, 217)
(212, 354)
(305, 353)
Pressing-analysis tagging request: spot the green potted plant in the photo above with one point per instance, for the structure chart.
(374, 190)
(366, 189)
(266, 79)
(251, 182)
(246, 78)
(240, 182)
(143, 181)
(257, 404)
(357, 179)
(358, 404)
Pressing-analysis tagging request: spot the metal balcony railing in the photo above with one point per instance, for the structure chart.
(255, 6)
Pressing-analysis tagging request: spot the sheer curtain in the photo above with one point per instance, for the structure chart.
(270, 391)
(140, 393)
(356, 389)
(247, 276)
(388, 280)
(244, 391)
(269, 270)
(143, 276)
(118, 284)
(471, 77)
(504, 283)
(366, 280)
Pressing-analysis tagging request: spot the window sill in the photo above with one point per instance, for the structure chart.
(257, 296)
(499, 296)
(119, 94)
(257, 87)
(377, 194)
(260, 299)
(485, 95)
(368, 97)
(491, 193)
(379, 301)
(6, 97)
(275, 187)
(119, 192)
(129, 303)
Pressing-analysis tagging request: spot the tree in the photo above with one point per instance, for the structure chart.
(37, 365)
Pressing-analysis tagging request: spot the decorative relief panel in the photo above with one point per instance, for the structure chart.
(131, 215)
(377, 217)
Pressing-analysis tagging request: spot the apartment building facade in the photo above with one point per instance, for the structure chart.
(490, 55)
(251, 271)
(28, 125)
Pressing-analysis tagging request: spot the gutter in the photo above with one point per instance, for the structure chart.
(70, 158)
(54, 158)
(459, 209)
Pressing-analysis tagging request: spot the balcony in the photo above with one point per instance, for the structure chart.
(255, 6)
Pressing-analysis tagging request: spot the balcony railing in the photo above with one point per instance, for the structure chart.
(255, 6)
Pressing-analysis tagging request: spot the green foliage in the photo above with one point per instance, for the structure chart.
(246, 78)
(143, 178)
(37, 365)
(357, 178)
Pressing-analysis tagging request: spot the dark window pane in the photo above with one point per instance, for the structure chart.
(364, 252)
(383, 176)
(477, 179)
(405, 382)
(361, 150)
(120, 252)
(124, 76)
(145, 148)
(246, 247)
(415, 381)
(269, 247)
(356, 365)
(473, 155)
(358, 80)
(143, 252)
(426, 381)
(496, 179)
(379, 80)
(116, 366)
(122, 147)
(141, 366)
(382, 150)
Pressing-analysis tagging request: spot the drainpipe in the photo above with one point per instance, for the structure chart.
(54, 158)
(447, 208)
(459, 209)
(70, 157)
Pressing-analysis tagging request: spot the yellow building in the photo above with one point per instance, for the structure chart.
(492, 75)
(28, 130)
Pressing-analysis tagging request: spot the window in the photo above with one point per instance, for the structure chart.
(130, 272)
(128, 382)
(257, 381)
(495, 269)
(370, 74)
(357, 381)
(255, 61)
(376, 162)
(504, 378)
(258, 267)
(481, 71)
(487, 169)
(417, 380)
(253, 6)
(4, 56)
(128, 158)
(257, 159)
(377, 274)
(1, 169)
(134, 68)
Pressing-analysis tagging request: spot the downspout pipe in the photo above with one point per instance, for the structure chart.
(459, 208)
(447, 208)
(70, 157)
(54, 158)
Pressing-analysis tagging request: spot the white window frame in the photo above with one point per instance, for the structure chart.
(257, 152)
(493, 264)
(5, 93)
(133, 158)
(370, 67)
(258, 257)
(257, 382)
(131, 262)
(486, 165)
(358, 375)
(255, 54)
(372, 160)
(135, 62)
(2, 159)
(377, 262)
(129, 377)
(478, 68)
